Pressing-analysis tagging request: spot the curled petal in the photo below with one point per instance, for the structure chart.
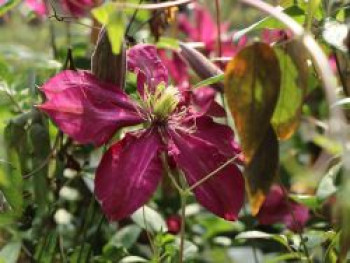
(144, 61)
(86, 109)
(128, 174)
(222, 193)
(277, 208)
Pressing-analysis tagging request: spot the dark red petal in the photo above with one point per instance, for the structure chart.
(143, 60)
(219, 135)
(223, 193)
(277, 208)
(204, 99)
(77, 7)
(128, 174)
(87, 110)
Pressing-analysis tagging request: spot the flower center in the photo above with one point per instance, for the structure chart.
(162, 103)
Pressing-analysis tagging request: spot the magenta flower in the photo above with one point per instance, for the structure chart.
(204, 29)
(277, 208)
(38, 7)
(78, 8)
(91, 112)
(203, 99)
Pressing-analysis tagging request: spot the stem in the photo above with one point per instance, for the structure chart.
(218, 17)
(207, 177)
(183, 195)
(295, 221)
(132, 20)
(153, 6)
(340, 72)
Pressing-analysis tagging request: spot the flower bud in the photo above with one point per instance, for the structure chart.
(203, 67)
(107, 66)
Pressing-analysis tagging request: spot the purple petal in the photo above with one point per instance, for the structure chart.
(38, 7)
(77, 7)
(87, 110)
(144, 61)
(219, 135)
(207, 31)
(277, 208)
(128, 174)
(223, 193)
(204, 99)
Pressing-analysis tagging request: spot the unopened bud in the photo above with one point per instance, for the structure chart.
(202, 66)
(107, 66)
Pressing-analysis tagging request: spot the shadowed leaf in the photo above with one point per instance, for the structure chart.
(252, 84)
(261, 172)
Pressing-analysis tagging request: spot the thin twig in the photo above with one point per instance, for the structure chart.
(153, 6)
(132, 19)
(207, 177)
(297, 223)
(47, 160)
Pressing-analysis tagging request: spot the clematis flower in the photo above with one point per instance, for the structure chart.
(278, 209)
(203, 99)
(91, 112)
(204, 29)
(78, 8)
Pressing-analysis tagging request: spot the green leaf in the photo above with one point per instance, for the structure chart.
(126, 237)
(133, 259)
(114, 21)
(210, 81)
(294, 73)
(7, 6)
(310, 201)
(262, 235)
(149, 219)
(45, 249)
(168, 43)
(10, 252)
(40, 139)
(327, 186)
(252, 86)
(215, 226)
(81, 254)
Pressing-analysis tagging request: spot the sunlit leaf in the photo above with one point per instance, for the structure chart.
(294, 77)
(114, 21)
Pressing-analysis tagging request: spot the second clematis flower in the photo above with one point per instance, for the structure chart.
(91, 112)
